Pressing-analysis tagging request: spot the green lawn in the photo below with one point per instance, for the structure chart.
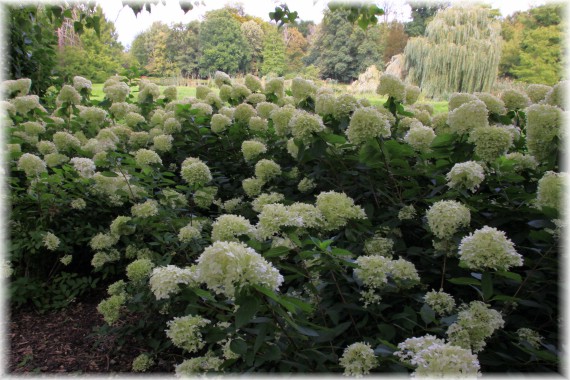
(185, 91)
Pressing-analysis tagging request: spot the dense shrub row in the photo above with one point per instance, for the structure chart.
(293, 230)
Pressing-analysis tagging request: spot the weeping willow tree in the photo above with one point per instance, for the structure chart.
(460, 52)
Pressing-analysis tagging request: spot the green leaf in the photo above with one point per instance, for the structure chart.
(248, 306)
(277, 251)
(487, 285)
(464, 281)
(260, 339)
(427, 314)
(109, 174)
(333, 139)
(239, 346)
(510, 275)
(273, 353)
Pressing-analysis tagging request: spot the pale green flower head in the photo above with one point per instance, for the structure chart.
(173, 199)
(117, 92)
(239, 91)
(551, 189)
(162, 143)
(404, 273)
(229, 227)
(148, 91)
(468, 117)
(145, 157)
(110, 308)
(253, 83)
(445, 218)
(264, 109)
(78, 204)
(117, 287)
(358, 359)
(221, 78)
(537, 92)
(344, 105)
(199, 365)
(273, 216)
(489, 249)
(142, 362)
(196, 173)
(306, 185)
(446, 360)
(65, 141)
(185, 332)
(213, 100)
(32, 165)
(522, 161)
(68, 94)
(55, 159)
(465, 175)
(51, 241)
(204, 109)
(171, 125)
(139, 270)
(93, 115)
(225, 92)
(266, 170)
(367, 124)
(258, 124)
(251, 149)
(530, 336)
(265, 199)
(303, 124)
(457, 99)
(225, 266)
(16, 87)
(556, 96)
(490, 142)
(202, 91)
(543, 127)
(244, 112)
(255, 99)
(119, 109)
(204, 197)
(476, 322)
(337, 209)
(164, 281)
(379, 245)
(420, 137)
(515, 100)
(252, 186)
(281, 117)
(81, 83)
(24, 104)
(139, 139)
(292, 148)
(411, 347)
(85, 167)
(170, 93)
(494, 104)
(121, 226)
(440, 302)
(134, 118)
(275, 86)
(407, 212)
(146, 209)
(373, 271)
(307, 214)
(66, 260)
(219, 123)
(325, 104)
(33, 127)
(392, 86)
(188, 233)
(412, 94)
(303, 89)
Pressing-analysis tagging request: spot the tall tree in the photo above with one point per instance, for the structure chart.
(95, 57)
(533, 52)
(254, 35)
(223, 44)
(182, 45)
(273, 52)
(296, 47)
(396, 40)
(459, 53)
(422, 13)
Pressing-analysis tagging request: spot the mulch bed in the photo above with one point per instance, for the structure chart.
(64, 341)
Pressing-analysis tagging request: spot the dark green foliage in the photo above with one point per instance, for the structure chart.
(422, 13)
(223, 46)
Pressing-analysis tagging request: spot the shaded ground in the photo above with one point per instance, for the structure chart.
(63, 341)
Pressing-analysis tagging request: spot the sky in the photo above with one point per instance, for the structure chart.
(128, 26)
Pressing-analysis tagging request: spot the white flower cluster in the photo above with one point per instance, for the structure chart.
(225, 266)
(551, 189)
(489, 248)
(441, 302)
(195, 172)
(85, 167)
(374, 271)
(165, 281)
(185, 332)
(420, 137)
(467, 117)
(337, 209)
(445, 218)
(365, 124)
(392, 86)
(229, 227)
(358, 359)
(475, 323)
(465, 175)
